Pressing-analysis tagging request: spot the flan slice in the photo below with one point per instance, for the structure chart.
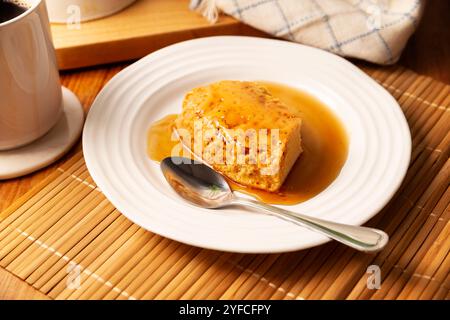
(242, 131)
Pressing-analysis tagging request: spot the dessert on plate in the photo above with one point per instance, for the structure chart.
(242, 131)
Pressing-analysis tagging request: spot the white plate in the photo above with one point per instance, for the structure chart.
(114, 140)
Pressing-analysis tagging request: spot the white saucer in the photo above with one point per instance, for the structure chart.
(44, 151)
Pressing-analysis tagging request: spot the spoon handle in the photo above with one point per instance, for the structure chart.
(360, 238)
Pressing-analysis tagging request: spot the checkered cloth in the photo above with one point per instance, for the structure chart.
(372, 30)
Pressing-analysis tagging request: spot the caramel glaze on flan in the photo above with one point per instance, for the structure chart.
(262, 134)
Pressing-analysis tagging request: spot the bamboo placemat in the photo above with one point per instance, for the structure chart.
(65, 225)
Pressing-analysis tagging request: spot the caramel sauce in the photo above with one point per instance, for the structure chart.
(324, 141)
(160, 139)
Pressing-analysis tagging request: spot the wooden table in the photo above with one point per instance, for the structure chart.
(428, 52)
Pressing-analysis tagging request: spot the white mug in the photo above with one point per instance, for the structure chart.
(30, 89)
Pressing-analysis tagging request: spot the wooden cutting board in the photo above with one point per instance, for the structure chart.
(136, 31)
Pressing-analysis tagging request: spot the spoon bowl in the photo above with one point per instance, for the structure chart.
(202, 186)
(197, 183)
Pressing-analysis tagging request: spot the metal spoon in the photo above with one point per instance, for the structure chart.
(204, 187)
